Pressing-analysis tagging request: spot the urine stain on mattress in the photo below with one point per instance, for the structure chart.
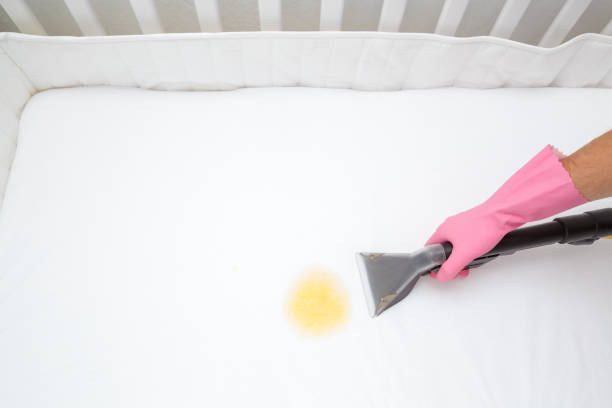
(318, 304)
(610, 237)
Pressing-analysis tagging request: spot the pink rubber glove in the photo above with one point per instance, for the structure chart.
(540, 189)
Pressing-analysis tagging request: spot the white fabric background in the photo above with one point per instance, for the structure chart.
(129, 211)
(15, 90)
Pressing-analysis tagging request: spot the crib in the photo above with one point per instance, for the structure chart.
(153, 225)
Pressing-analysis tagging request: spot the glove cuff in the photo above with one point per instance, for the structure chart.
(540, 189)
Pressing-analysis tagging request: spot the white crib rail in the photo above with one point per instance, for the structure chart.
(539, 22)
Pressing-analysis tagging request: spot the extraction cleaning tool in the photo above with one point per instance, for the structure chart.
(387, 278)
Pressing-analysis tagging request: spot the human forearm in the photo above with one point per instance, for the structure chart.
(591, 168)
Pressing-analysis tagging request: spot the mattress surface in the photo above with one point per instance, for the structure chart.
(150, 242)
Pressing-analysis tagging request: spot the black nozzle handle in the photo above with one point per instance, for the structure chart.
(583, 228)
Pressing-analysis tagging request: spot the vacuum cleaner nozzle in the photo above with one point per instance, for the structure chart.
(388, 278)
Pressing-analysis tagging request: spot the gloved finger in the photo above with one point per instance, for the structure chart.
(436, 238)
(464, 274)
(455, 264)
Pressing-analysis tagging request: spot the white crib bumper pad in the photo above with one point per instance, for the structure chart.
(219, 61)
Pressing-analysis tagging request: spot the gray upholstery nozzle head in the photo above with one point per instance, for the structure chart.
(388, 278)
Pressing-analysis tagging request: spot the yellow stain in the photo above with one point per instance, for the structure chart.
(610, 237)
(318, 304)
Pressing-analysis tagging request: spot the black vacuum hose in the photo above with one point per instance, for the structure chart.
(577, 229)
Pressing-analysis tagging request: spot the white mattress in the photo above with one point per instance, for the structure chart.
(149, 242)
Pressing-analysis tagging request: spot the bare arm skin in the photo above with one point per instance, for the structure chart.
(591, 168)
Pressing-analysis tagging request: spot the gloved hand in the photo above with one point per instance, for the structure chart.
(540, 189)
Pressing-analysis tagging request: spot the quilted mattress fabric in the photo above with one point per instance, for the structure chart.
(150, 242)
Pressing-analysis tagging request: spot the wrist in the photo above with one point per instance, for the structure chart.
(581, 177)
